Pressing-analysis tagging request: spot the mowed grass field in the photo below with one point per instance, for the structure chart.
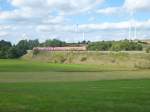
(44, 87)
(33, 66)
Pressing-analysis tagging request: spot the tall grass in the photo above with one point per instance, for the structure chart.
(123, 59)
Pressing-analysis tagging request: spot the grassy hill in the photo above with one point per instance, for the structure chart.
(129, 60)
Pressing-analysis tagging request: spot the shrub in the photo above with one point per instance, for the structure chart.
(148, 50)
(83, 59)
(62, 59)
(35, 52)
(142, 65)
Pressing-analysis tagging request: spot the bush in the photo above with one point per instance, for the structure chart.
(83, 59)
(148, 50)
(142, 65)
(35, 51)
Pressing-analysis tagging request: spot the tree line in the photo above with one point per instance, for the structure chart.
(8, 50)
(123, 45)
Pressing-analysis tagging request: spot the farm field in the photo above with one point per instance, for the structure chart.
(44, 87)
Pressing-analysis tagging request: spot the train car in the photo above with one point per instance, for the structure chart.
(83, 48)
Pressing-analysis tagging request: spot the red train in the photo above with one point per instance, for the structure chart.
(60, 48)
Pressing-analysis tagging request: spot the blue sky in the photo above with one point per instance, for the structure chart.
(69, 19)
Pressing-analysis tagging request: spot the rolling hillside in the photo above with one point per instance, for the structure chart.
(109, 59)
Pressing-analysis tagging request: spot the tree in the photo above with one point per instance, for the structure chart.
(54, 43)
(124, 45)
(100, 46)
(13, 53)
(116, 47)
(4, 46)
(22, 47)
(33, 43)
(3, 53)
(9, 51)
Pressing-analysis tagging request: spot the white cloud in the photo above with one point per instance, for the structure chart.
(4, 30)
(138, 5)
(115, 26)
(129, 6)
(99, 31)
(55, 28)
(3, 33)
(91, 19)
(64, 6)
(5, 27)
(29, 3)
(124, 25)
(54, 20)
(16, 14)
(109, 10)
(45, 11)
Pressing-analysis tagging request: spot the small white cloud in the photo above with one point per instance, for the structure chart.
(5, 27)
(3, 33)
(91, 19)
(109, 10)
(16, 14)
(54, 20)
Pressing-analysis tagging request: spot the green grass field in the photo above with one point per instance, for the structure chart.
(32, 66)
(44, 87)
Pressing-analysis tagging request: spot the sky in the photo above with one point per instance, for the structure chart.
(74, 20)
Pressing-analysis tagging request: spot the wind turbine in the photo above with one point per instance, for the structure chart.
(77, 31)
(76, 28)
(130, 29)
(83, 35)
(135, 29)
(132, 25)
